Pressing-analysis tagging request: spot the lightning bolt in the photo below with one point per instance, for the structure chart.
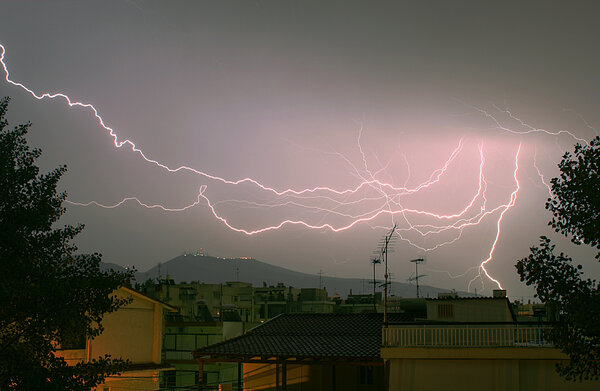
(585, 122)
(510, 204)
(540, 175)
(134, 148)
(528, 129)
(376, 197)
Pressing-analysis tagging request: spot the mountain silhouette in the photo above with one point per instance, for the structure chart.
(214, 270)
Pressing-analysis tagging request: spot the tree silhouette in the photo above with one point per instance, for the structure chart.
(575, 206)
(50, 295)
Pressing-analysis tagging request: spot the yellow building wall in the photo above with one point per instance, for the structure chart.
(476, 369)
(132, 380)
(310, 378)
(262, 377)
(133, 332)
(471, 310)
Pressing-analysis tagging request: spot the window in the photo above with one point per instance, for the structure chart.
(210, 377)
(170, 342)
(445, 311)
(201, 341)
(170, 379)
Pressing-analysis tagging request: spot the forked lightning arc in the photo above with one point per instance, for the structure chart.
(369, 200)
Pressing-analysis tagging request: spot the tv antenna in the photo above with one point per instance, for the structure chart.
(417, 277)
(320, 279)
(385, 247)
(375, 261)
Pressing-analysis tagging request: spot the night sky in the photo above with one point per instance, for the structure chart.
(413, 112)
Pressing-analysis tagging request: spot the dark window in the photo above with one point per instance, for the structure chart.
(445, 311)
(366, 375)
(170, 379)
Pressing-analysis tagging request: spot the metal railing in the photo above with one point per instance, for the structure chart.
(508, 335)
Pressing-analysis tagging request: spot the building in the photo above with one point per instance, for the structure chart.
(307, 352)
(202, 302)
(472, 344)
(355, 304)
(270, 301)
(184, 337)
(133, 332)
(476, 309)
(210, 313)
(193, 299)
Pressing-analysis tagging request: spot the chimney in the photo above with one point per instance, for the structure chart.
(499, 293)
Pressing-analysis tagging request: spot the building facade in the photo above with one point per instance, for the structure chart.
(473, 344)
(133, 332)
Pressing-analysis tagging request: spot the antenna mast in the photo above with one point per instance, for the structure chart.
(417, 276)
(321, 279)
(384, 250)
(375, 262)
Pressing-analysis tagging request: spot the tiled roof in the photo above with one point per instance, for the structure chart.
(459, 298)
(310, 336)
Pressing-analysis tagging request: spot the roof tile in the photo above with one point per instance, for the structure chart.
(309, 335)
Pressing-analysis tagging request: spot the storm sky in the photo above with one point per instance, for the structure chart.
(298, 95)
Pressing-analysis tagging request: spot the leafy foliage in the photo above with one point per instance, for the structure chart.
(49, 294)
(575, 205)
(561, 286)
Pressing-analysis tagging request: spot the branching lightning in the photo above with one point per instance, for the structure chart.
(366, 202)
(510, 204)
(528, 129)
(541, 175)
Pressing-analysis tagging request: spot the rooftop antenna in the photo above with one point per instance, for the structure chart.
(375, 262)
(320, 279)
(417, 277)
(384, 249)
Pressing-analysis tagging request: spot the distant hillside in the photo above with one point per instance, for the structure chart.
(111, 266)
(218, 270)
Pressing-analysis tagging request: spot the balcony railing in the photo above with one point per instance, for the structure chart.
(500, 335)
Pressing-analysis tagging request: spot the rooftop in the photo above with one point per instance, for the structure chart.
(306, 338)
